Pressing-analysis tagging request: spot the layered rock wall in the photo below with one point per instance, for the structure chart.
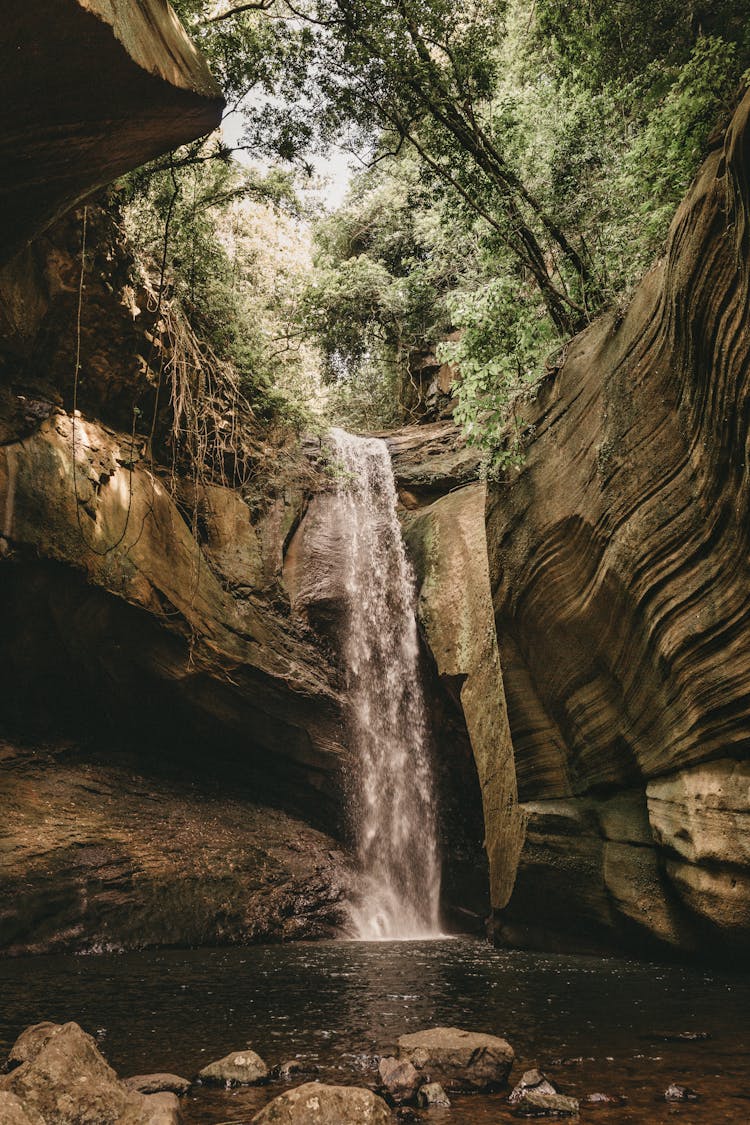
(621, 586)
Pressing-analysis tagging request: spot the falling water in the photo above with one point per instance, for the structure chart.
(393, 810)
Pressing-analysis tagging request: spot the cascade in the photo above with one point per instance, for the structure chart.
(392, 789)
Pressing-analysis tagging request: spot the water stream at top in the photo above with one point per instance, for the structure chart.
(393, 804)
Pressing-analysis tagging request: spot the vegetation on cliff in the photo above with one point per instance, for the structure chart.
(519, 164)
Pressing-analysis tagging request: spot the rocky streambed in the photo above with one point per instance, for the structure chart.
(613, 1036)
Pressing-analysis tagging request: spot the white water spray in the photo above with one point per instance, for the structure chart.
(393, 811)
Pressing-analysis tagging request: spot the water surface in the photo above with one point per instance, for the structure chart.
(592, 1024)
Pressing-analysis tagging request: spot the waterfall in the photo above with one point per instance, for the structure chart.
(392, 786)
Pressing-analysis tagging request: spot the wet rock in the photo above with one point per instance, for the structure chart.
(240, 1068)
(459, 1060)
(433, 1094)
(65, 1079)
(158, 1109)
(678, 1036)
(535, 1104)
(532, 1080)
(12, 1111)
(675, 1093)
(292, 1068)
(29, 1043)
(605, 1099)
(400, 1079)
(158, 1084)
(317, 1104)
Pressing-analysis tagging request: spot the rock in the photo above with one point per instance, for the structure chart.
(535, 1104)
(12, 1111)
(159, 1109)
(448, 544)
(400, 1079)
(458, 1060)
(433, 1094)
(317, 1104)
(619, 569)
(128, 85)
(240, 1068)
(29, 1043)
(66, 1080)
(675, 1093)
(532, 1080)
(73, 882)
(157, 1084)
(605, 1099)
(292, 1068)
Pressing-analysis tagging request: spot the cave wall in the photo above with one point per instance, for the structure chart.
(621, 587)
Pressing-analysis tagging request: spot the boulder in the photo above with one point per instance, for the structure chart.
(459, 1060)
(532, 1080)
(317, 1104)
(158, 1084)
(12, 1111)
(159, 1109)
(535, 1104)
(433, 1094)
(400, 1079)
(68, 1081)
(240, 1068)
(675, 1093)
(29, 1043)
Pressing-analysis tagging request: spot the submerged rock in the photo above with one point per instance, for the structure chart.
(400, 1079)
(605, 1099)
(433, 1094)
(317, 1104)
(293, 1067)
(536, 1104)
(158, 1084)
(675, 1093)
(459, 1060)
(532, 1080)
(240, 1068)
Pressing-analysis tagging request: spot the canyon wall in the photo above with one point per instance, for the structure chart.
(621, 587)
(144, 620)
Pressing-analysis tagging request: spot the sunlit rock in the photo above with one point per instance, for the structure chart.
(318, 1104)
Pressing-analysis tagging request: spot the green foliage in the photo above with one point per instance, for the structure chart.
(500, 350)
(528, 156)
(225, 269)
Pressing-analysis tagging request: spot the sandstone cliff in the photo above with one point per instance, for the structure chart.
(143, 617)
(619, 563)
(88, 90)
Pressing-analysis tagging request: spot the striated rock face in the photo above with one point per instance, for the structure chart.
(88, 90)
(105, 850)
(619, 564)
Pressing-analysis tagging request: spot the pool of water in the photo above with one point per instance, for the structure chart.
(593, 1025)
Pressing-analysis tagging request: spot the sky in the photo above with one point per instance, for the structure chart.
(335, 171)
